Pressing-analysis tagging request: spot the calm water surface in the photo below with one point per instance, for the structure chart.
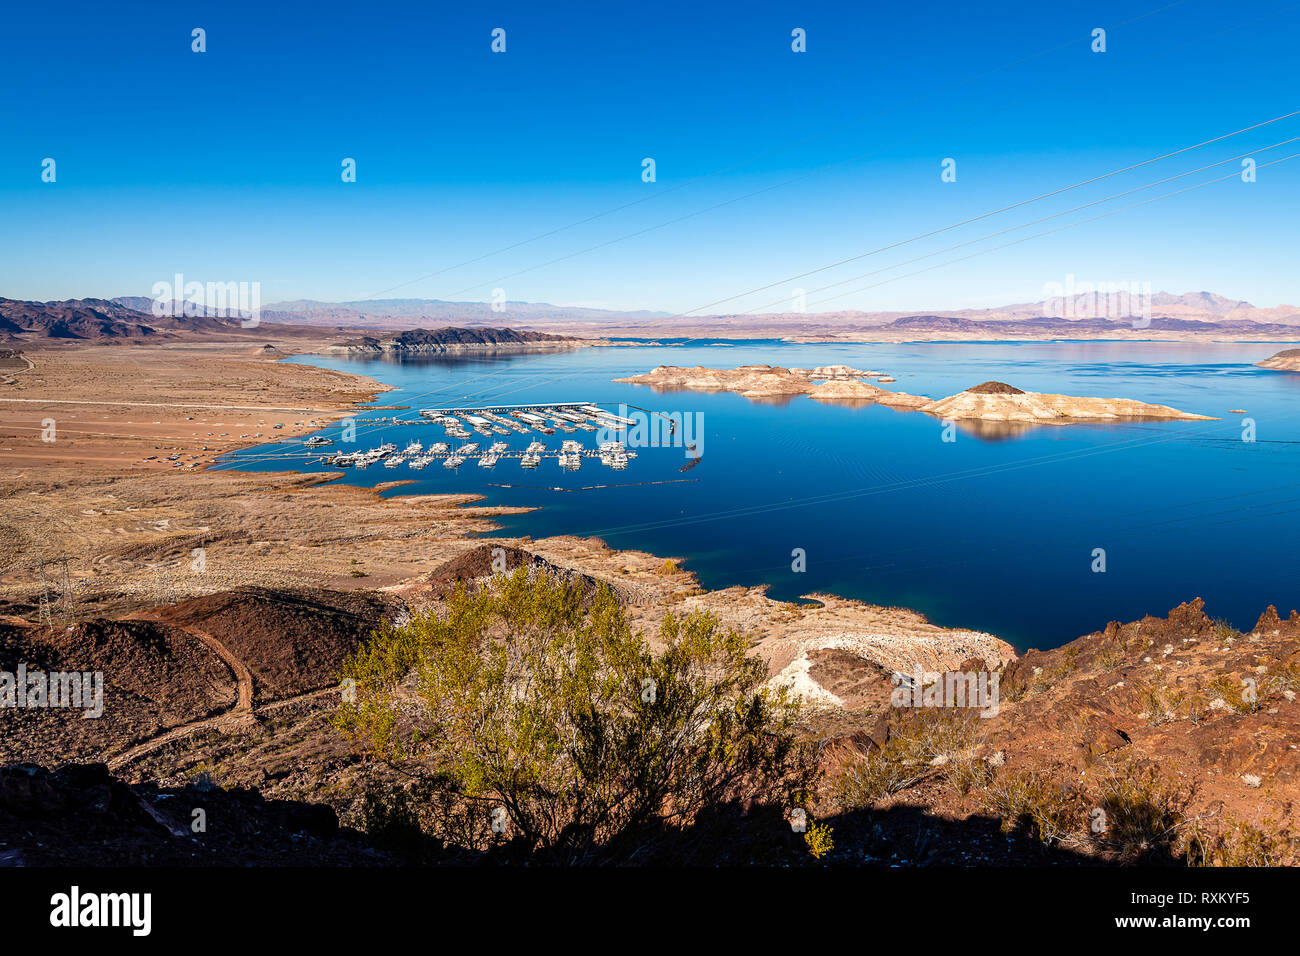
(994, 532)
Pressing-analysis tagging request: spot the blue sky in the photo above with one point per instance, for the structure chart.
(225, 165)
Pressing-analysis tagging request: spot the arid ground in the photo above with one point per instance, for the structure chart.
(220, 605)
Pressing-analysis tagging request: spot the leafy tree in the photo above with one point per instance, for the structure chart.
(536, 707)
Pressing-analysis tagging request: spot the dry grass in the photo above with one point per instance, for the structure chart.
(1241, 844)
(1242, 695)
(1138, 812)
(1032, 800)
(930, 743)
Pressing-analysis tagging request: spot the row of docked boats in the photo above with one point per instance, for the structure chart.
(613, 454)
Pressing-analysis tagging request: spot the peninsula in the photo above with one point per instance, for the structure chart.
(458, 340)
(1288, 360)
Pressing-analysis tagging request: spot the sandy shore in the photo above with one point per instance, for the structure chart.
(130, 407)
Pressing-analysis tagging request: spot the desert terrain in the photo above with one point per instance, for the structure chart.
(220, 606)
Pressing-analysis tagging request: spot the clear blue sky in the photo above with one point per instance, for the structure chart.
(225, 165)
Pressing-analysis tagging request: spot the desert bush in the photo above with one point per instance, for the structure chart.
(1280, 679)
(389, 818)
(1241, 844)
(1111, 657)
(555, 720)
(968, 774)
(819, 839)
(927, 743)
(866, 780)
(1162, 704)
(1224, 631)
(1033, 800)
(1141, 811)
(1241, 697)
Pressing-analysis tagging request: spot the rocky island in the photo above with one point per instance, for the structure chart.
(1288, 360)
(988, 401)
(838, 383)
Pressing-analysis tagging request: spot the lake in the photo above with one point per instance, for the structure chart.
(993, 532)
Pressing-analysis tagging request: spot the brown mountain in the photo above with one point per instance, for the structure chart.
(96, 320)
(74, 319)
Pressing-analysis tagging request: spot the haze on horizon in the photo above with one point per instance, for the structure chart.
(768, 162)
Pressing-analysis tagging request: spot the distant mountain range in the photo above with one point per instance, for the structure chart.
(395, 314)
(131, 318)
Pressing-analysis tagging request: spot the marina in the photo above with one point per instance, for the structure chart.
(504, 420)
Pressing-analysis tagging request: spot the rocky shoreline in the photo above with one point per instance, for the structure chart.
(1288, 360)
(456, 341)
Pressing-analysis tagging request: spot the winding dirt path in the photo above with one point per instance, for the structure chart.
(242, 710)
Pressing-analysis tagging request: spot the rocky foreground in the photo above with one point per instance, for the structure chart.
(988, 401)
(1181, 717)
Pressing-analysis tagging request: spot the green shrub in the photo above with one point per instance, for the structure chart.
(540, 708)
(819, 840)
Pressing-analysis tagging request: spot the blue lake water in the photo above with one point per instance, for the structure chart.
(994, 532)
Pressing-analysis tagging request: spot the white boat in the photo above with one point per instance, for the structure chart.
(468, 449)
(439, 447)
(571, 446)
(455, 461)
(487, 461)
(530, 461)
(394, 461)
(414, 448)
(498, 447)
(536, 447)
